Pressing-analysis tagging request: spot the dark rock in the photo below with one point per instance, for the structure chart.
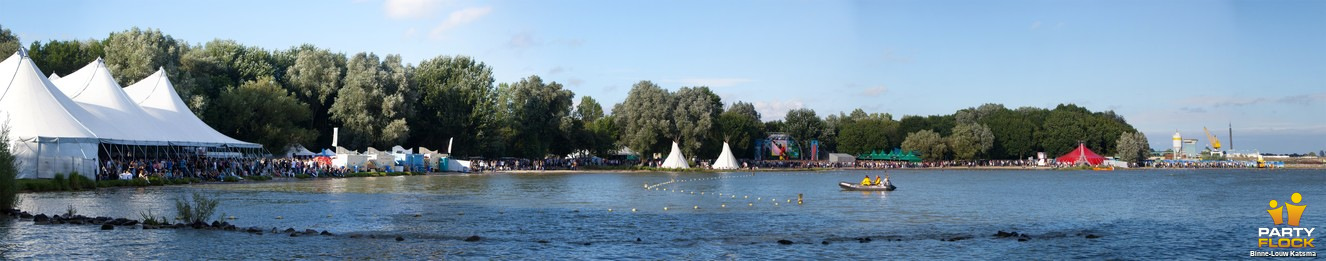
(1092, 236)
(1023, 239)
(216, 224)
(587, 243)
(198, 225)
(958, 238)
(148, 227)
(784, 241)
(825, 242)
(637, 239)
(253, 230)
(543, 241)
(41, 218)
(294, 234)
(290, 230)
(399, 238)
(472, 239)
(107, 226)
(128, 222)
(310, 232)
(325, 233)
(230, 228)
(25, 215)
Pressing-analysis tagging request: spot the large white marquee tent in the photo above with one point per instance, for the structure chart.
(62, 125)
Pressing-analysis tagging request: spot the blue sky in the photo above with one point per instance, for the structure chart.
(1163, 65)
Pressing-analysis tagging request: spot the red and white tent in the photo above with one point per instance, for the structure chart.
(1081, 155)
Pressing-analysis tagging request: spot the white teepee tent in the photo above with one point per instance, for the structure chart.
(675, 160)
(725, 159)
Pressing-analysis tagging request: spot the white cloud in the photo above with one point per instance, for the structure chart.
(1035, 25)
(522, 40)
(875, 91)
(408, 9)
(575, 82)
(711, 82)
(557, 70)
(460, 17)
(776, 109)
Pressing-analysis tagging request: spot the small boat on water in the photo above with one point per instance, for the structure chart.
(859, 187)
(1110, 168)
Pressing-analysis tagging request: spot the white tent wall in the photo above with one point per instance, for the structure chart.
(49, 133)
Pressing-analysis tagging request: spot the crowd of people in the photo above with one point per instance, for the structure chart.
(214, 168)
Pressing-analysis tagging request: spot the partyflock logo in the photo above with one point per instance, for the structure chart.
(1285, 237)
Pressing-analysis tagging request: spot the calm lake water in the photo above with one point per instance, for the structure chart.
(1170, 214)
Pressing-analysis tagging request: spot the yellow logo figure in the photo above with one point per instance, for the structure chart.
(1295, 211)
(1275, 212)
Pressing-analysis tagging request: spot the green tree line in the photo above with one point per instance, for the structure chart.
(296, 95)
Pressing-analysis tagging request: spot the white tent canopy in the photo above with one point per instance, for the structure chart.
(48, 131)
(59, 127)
(725, 159)
(96, 91)
(157, 96)
(675, 160)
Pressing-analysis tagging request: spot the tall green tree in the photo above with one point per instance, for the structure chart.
(970, 140)
(374, 103)
(589, 110)
(537, 111)
(136, 53)
(926, 142)
(262, 111)
(315, 77)
(64, 57)
(740, 126)
(457, 94)
(9, 42)
(804, 126)
(1133, 147)
(867, 134)
(1014, 134)
(644, 119)
(695, 114)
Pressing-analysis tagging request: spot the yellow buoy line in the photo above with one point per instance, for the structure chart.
(660, 187)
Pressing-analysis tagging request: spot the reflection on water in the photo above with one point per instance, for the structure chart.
(718, 216)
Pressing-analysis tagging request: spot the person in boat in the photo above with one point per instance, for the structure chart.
(886, 182)
(866, 181)
(876, 181)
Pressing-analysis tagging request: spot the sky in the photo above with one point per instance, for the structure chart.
(1165, 66)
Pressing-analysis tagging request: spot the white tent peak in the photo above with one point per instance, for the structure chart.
(726, 160)
(675, 159)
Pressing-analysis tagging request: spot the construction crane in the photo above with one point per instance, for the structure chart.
(1215, 143)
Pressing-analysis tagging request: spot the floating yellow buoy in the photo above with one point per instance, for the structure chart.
(724, 205)
(609, 210)
(775, 203)
(745, 196)
(697, 207)
(665, 208)
(750, 204)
